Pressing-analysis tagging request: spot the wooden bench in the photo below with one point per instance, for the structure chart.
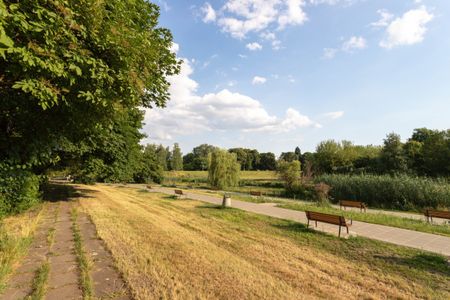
(327, 218)
(179, 193)
(255, 193)
(430, 213)
(149, 186)
(350, 203)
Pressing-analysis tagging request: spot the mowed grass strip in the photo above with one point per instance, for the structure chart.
(184, 249)
(375, 218)
(83, 262)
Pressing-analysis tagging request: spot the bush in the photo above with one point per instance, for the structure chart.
(394, 192)
(19, 190)
(289, 173)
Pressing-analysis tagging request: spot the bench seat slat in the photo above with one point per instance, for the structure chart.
(437, 214)
(326, 218)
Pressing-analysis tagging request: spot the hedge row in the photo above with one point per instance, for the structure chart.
(19, 190)
(394, 192)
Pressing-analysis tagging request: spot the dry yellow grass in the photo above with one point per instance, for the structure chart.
(16, 233)
(183, 249)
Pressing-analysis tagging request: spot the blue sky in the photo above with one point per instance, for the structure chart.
(275, 74)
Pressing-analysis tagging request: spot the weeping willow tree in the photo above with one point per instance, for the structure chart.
(223, 169)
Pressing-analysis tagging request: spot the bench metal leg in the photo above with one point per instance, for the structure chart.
(307, 225)
(316, 223)
(339, 231)
(347, 229)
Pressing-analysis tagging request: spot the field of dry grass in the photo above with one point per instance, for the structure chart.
(16, 234)
(184, 249)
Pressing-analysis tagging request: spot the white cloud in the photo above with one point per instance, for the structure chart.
(349, 46)
(408, 29)
(385, 18)
(240, 17)
(174, 48)
(276, 45)
(268, 35)
(334, 114)
(253, 46)
(259, 80)
(189, 113)
(293, 14)
(209, 14)
(355, 42)
(329, 53)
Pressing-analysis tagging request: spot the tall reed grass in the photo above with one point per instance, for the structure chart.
(395, 192)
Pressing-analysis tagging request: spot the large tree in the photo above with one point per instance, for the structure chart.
(392, 156)
(176, 159)
(223, 169)
(69, 67)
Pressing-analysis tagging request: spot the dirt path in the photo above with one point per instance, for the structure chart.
(52, 269)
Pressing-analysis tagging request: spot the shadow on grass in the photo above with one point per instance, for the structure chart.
(170, 197)
(54, 192)
(427, 262)
(295, 228)
(214, 206)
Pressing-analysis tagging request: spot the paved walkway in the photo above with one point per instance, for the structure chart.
(424, 241)
(401, 214)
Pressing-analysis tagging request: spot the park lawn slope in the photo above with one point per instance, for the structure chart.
(184, 249)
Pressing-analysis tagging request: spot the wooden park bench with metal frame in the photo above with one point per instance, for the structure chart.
(327, 218)
(179, 193)
(255, 193)
(430, 213)
(351, 203)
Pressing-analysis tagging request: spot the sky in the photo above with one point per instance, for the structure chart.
(276, 74)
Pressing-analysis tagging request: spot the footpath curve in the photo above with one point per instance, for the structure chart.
(403, 237)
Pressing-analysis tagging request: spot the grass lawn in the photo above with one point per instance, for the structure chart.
(376, 218)
(184, 249)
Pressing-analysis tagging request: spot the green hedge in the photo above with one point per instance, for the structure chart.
(395, 192)
(19, 190)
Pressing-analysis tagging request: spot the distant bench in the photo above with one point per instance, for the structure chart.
(430, 213)
(327, 218)
(179, 193)
(255, 193)
(350, 203)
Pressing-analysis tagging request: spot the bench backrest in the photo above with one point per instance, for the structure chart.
(327, 218)
(253, 193)
(178, 192)
(437, 213)
(351, 203)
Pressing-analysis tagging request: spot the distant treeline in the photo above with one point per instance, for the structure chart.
(425, 153)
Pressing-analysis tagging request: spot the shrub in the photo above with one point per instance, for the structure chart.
(289, 173)
(19, 190)
(395, 192)
(322, 193)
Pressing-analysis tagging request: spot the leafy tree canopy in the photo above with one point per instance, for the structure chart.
(69, 67)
